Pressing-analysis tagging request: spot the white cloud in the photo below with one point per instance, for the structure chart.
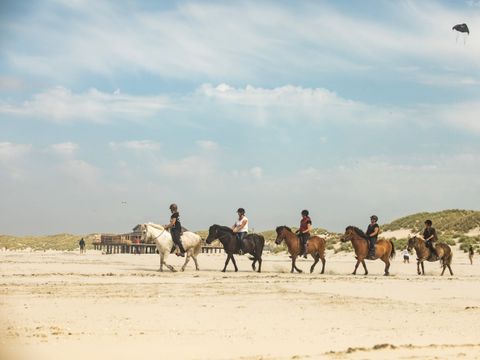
(190, 167)
(62, 105)
(13, 158)
(64, 149)
(136, 145)
(463, 115)
(207, 144)
(193, 41)
(10, 151)
(81, 172)
(262, 106)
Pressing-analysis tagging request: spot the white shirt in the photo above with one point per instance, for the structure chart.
(239, 223)
(405, 253)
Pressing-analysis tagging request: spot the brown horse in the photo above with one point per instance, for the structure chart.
(384, 249)
(444, 253)
(315, 247)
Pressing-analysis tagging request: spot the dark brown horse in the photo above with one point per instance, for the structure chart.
(252, 244)
(444, 254)
(315, 247)
(384, 249)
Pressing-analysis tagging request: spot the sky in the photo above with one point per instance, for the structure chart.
(112, 110)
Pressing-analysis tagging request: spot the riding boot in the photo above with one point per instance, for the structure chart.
(240, 247)
(181, 249)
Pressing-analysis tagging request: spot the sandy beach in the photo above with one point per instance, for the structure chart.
(59, 305)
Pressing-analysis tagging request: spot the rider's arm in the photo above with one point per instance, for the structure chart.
(375, 232)
(242, 224)
(172, 223)
(309, 228)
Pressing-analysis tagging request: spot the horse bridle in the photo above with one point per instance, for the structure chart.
(156, 237)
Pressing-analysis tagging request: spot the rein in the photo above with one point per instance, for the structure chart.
(156, 237)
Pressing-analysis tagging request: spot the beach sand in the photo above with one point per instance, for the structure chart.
(63, 305)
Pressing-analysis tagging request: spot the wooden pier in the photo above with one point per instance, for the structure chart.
(143, 248)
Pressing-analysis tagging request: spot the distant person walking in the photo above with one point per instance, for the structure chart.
(470, 254)
(430, 236)
(406, 256)
(372, 233)
(240, 228)
(304, 230)
(81, 243)
(176, 229)
(136, 246)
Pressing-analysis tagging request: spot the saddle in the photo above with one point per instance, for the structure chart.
(371, 254)
(431, 255)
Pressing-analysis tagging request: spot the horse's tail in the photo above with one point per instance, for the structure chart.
(198, 247)
(447, 259)
(392, 254)
(260, 245)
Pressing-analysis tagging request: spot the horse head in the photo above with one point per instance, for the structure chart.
(412, 241)
(212, 234)
(142, 229)
(280, 234)
(348, 234)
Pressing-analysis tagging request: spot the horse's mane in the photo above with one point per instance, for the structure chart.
(156, 226)
(283, 227)
(224, 228)
(358, 232)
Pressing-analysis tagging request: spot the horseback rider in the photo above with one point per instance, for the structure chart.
(372, 233)
(304, 230)
(430, 236)
(175, 229)
(240, 228)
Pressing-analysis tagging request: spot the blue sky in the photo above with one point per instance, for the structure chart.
(345, 108)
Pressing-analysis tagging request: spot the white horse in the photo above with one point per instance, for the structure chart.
(192, 243)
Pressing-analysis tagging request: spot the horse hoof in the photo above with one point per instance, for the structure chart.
(183, 269)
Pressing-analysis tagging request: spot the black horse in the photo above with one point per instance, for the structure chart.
(252, 244)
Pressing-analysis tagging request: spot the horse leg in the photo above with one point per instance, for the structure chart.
(253, 264)
(365, 267)
(450, 269)
(295, 266)
(418, 268)
(423, 268)
(194, 257)
(161, 261)
(314, 263)
(260, 264)
(443, 270)
(164, 262)
(187, 259)
(356, 266)
(387, 267)
(323, 264)
(226, 262)
(234, 263)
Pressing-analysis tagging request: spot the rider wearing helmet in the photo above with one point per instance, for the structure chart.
(176, 228)
(304, 230)
(240, 228)
(372, 233)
